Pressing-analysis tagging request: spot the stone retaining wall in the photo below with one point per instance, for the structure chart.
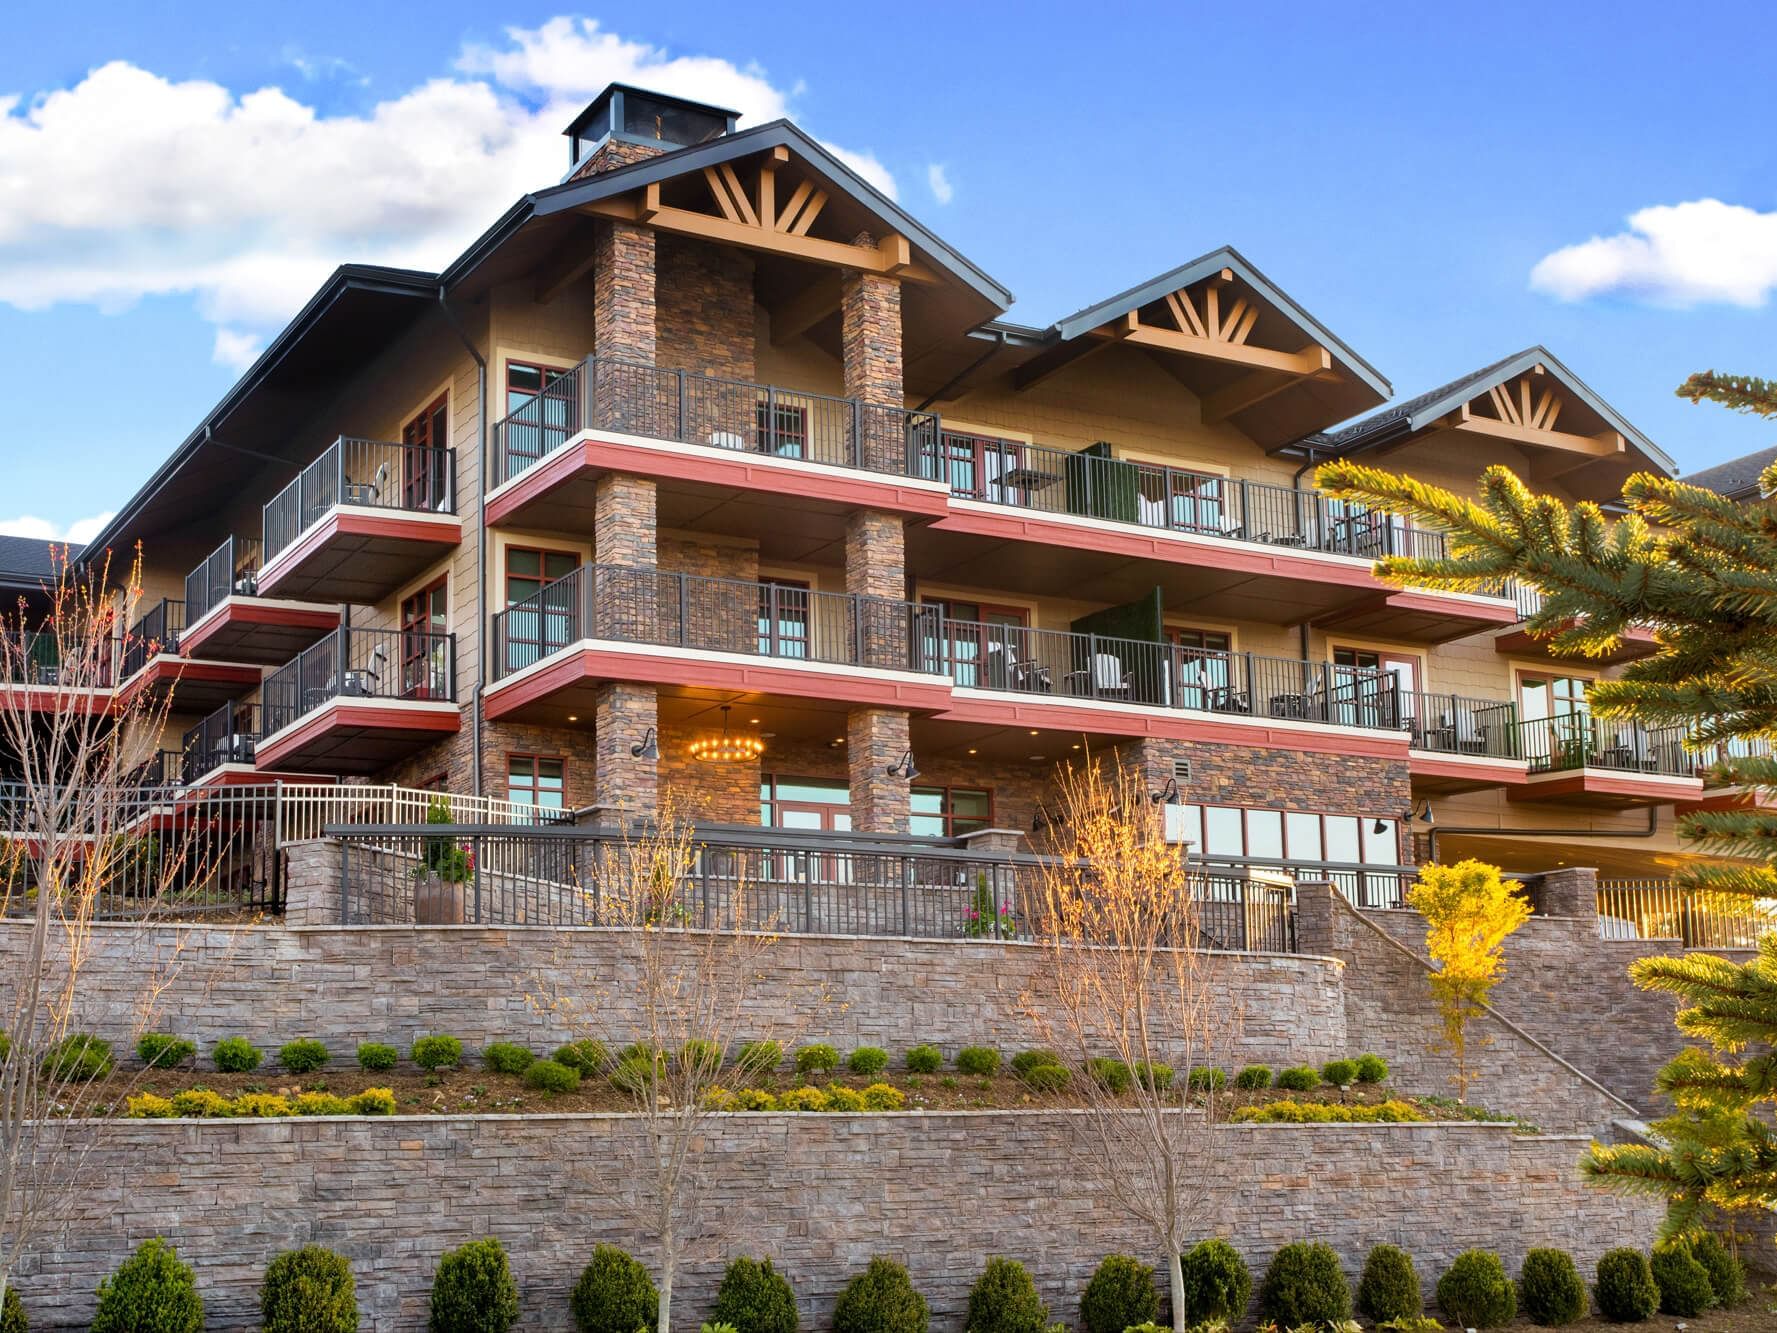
(820, 1194)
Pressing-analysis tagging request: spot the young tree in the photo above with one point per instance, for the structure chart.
(1469, 911)
(1127, 1001)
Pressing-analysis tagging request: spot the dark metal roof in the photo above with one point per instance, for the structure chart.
(1738, 477)
(27, 563)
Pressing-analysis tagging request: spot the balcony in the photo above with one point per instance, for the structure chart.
(359, 521)
(156, 661)
(700, 637)
(358, 701)
(220, 750)
(1586, 760)
(32, 666)
(1461, 743)
(1658, 909)
(227, 620)
(1634, 644)
(779, 465)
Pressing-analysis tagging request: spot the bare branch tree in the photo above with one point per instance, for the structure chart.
(1129, 1004)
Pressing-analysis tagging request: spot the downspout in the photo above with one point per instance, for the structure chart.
(480, 536)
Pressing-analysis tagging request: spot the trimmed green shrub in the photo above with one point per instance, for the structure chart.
(1217, 1282)
(867, 1060)
(438, 1052)
(1253, 1078)
(802, 1099)
(12, 1309)
(162, 1050)
(79, 1056)
(1389, 1287)
(1120, 1294)
(757, 1058)
(883, 1097)
(1207, 1080)
(703, 1058)
(372, 1101)
(924, 1059)
(1113, 1076)
(1025, 1061)
(1304, 1285)
(1298, 1078)
(473, 1290)
(1005, 1300)
(614, 1294)
(585, 1057)
(1339, 1073)
(817, 1058)
(1550, 1289)
(978, 1061)
(755, 1298)
(319, 1103)
(1156, 1077)
(309, 1291)
(151, 1292)
(635, 1075)
(1046, 1078)
(1683, 1282)
(881, 1299)
(303, 1056)
(508, 1057)
(374, 1057)
(1372, 1069)
(1625, 1290)
(548, 1076)
(236, 1055)
(1727, 1275)
(842, 1098)
(1476, 1292)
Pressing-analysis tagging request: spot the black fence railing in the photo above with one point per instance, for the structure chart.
(232, 569)
(709, 614)
(1456, 724)
(1580, 740)
(357, 663)
(367, 474)
(34, 657)
(230, 735)
(156, 632)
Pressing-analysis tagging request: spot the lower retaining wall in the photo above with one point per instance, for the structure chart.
(820, 1194)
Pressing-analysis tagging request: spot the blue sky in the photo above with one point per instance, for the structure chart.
(175, 177)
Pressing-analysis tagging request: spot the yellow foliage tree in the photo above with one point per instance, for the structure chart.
(1469, 913)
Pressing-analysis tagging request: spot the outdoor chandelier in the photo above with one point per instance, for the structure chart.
(726, 749)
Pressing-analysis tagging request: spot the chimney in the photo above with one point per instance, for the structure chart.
(624, 125)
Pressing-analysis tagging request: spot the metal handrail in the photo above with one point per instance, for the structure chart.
(230, 570)
(1649, 909)
(1446, 723)
(360, 663)
(1581, 740)
(155, 632)
(368, 474)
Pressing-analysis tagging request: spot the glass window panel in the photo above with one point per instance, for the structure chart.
(1341, 835)
(967, 804)
(523, 563)
(926, 826)
(1380, 849)
(1222, 834)
(1188, 826)
(928, 800)
(813, 791)
(1303, 832)
(1264, 833)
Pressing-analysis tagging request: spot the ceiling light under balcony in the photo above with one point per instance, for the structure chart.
(726, 749)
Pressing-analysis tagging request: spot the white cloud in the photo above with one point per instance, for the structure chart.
(236, 349)
(80, 531)
(129, 185)
(1699, 252)
(939, 181)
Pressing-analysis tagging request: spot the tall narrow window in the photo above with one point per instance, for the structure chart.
(425, 652)
(537, 624)
(534, 779)
(425, 459)
(540, 414)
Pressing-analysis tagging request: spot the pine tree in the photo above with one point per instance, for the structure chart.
(1699, 570)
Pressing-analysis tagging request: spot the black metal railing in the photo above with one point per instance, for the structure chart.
(632, 398)
(230, 735)
(34, 657)
(366, 474)
(1364, 884)
(232, 569)
(708, 614)
(156, 632)
(1658, 909)
(355, 663)
(1579, 740)
(1456, 724)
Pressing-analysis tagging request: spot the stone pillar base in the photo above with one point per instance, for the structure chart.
(875, 739)
(623, 782)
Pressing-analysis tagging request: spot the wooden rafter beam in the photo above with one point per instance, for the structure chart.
(1052, 359)
(1248, 391)
(1310, 360)
(1607, 444)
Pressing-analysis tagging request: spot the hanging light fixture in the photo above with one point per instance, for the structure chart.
(726, 749)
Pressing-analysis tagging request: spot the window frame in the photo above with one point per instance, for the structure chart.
(947, 808)
(536, 759)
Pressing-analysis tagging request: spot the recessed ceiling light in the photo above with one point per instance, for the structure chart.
(573, 717)
(755, 722)
(973, 752)
(1036, 733)
(1036, 758)
(1076, 747)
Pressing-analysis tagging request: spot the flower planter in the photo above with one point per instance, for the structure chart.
(438, 902)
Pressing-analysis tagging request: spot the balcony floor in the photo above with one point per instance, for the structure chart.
(356, 736)
(1520, 642)
(359, 555)
(1606, 788)
(194, 686)
(262, 630)
(1435, 773)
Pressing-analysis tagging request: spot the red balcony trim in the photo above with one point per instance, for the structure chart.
(1658, 788)
(165, 668)
(338, 713)
(236, 610)
(1635, 642)
(58, 699)
(1427, 764)
(1493, 611)
(347, 521)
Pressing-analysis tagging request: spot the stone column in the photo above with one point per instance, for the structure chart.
(1570, 892)
(625, 396)
(624, 712)
(311, 883)
(1319, 920)
(875, 739)
(870, 312)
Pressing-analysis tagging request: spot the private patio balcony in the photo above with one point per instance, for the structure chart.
(1587, 760)
(227, 619)
(157, 661)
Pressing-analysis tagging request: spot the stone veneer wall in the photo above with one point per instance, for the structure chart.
(820, 1194)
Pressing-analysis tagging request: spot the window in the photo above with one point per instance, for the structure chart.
(1233, 832)
(783, 618)
(538, 625)
(1373, 689)
(541, 408)
(425, 650)
(975, 464)
(949, 812)
(982, 644)
(1556, 726)
(534, 779)
(425, 459)
(804, 803)
(782, 429)
(1204, 679)
(1169, 497)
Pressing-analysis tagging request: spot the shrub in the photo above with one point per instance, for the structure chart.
(758, 1058)
(473, 1290)
(979, 1061)
(1625, 1289)
(841, 1098)
(1389, 1287)
(881, 1299)
(1298, 1078)
(162, 1050)
(641, 1050)
(585, 1057)
(1476, 1292)
(1683, 1282)
(1207, 1080)
(319, 1103)
(614, 1294)
(635, 1074)
(202, 1104)
(817, 1058)
(751, 1099)
(802, 1099)
(1727, 1275)
(1340, 1073)
(883, 1097)
(755, 1298)
(924, 1060)
(1005, 1300)
(152, 1292)
(236, 1055)
(12, 1309)
(702, 1057)
(1304, 1285)
(1550, 1288)
(1253, 1078)
(309, 1291)
(867, 1060)
(548, 1076)
(1217, 1283)
(303, 1056)
(5, 1050)
(147, 1106)
(1111, 1075)
(439, 1052)
(1371, 1069)
(372, 1101)
(79, 1056)
(375, 1058)
(508, 1057)
(1047, 1078)
(1119, 1294)
(1288, 1112)
(261, 1106)
(1025, 1061)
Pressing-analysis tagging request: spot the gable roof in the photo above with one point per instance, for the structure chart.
(1738, 477)
(27, 562)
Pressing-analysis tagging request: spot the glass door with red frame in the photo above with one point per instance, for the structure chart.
(425, 651)
(425, 460)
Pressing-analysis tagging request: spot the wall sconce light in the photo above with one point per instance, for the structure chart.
(1425, 815)
(1167, 795)
(647, 748)
(1379, 827)
(904, 768)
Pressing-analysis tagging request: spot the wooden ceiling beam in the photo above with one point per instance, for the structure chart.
(1310, 360)
(1248, 391)
(574, 260)
(1606, 444)
(1052, 359)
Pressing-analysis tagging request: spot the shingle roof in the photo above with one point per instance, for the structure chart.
(25, 562)
(1737, 477)
(1461, 389)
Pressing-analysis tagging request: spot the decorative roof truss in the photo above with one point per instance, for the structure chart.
(1525, 411)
